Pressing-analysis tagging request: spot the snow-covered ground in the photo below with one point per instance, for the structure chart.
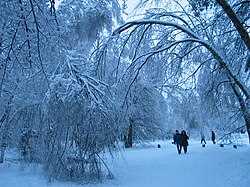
(212, 166)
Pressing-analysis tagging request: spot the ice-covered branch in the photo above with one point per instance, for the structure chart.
(195, 38)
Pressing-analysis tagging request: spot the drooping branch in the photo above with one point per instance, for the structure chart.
(154, 22)
(8, 57)
(195, 38)
(148, 56)
(38, 40)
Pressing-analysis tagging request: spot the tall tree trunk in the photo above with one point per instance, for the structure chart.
(243, 107)
(130, 135)
(247, 121)
(4, 139)
(4, 130)
(128, 138)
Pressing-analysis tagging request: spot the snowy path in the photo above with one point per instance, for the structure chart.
(212, 166)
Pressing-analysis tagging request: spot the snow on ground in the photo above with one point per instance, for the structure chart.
(212, 166)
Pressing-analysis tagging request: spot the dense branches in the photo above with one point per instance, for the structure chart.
(184, 35)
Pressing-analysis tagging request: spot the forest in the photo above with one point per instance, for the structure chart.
(83, 80)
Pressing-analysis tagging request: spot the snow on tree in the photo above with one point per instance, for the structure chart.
(185, 37)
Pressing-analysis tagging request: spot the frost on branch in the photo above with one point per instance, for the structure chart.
(80, 126)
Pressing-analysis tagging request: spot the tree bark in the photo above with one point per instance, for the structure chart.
(128, 138)
(130, 135)
(247, 120)
(5, 131)
(4, 140)
(243, 107)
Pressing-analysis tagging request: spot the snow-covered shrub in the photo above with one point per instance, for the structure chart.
(80, 130)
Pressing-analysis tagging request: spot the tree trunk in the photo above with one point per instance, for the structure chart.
(3, 148)
(5, 131)
(4, 138)
(243, 107)
(130, 136)
(247, 121)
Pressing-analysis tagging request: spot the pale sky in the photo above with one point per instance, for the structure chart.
(132, 14)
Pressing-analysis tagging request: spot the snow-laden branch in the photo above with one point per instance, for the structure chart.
(155, 22)
(196, 38)
(92, 85)
(236, 21)
(151, 53)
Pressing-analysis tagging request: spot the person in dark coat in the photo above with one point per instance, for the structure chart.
(176, 139)
(184, 141)
(175, 136)
(213, 137)
(203, 141)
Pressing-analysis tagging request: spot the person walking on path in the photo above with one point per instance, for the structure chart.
(184, 141)
(177, 139)
(213, 137)
(203, 141)
(175, 136)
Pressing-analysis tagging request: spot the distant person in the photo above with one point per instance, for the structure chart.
(203, 141)
(177, 139)
(242, 131)
(175, 136)
(213, 137)
(184, 141)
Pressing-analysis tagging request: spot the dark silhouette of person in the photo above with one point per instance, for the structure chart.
(184, 141)
(203, 141)
(177, 139)
(175, 136)
(213, 137)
